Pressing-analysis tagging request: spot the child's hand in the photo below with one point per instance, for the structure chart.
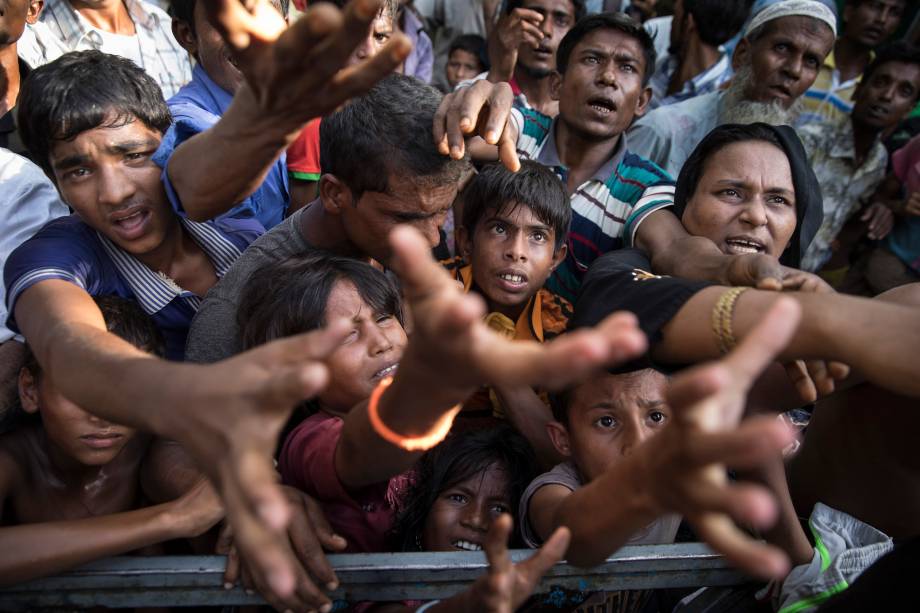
(506, 586)
(310, 536)
(686, 465)
(452, 351)
(912, 204)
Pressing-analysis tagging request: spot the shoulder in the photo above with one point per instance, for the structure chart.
(242, 232)
(453, 265)
(533, 123)
(639, 168)
(66, 241)
(556, 312)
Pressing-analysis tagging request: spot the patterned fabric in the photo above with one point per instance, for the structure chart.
(828, 100)
(844, 186)
(606, 209)
(904, 240)
(709, 80)
(161, 55)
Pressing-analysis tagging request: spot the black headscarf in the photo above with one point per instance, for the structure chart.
(809, 207)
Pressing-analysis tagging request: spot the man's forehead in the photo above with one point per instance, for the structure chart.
(610, 40)
(551, 6)
(806, 30)
(105, 137)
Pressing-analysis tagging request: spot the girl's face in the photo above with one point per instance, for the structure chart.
(745, 200)
(370, 353)
(462, 514)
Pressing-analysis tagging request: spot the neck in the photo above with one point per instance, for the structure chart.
(10, 78)
(851, 58)
(537, 90)
(697, 58)
(108, 15)
(512, 312)
(68, 470)
(176, 245)
(582, 156)
(864, 138)
(324, 231)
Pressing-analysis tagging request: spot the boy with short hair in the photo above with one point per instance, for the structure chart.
(466, 58)
(511, 239)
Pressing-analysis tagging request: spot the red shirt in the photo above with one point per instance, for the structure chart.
(307, 462)
(303, 154)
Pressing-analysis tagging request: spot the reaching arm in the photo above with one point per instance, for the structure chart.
(294, 75)
(514, 29)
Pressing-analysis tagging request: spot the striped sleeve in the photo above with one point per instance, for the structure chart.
(653, 198)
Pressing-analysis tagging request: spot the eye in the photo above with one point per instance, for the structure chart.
(591, 59)
(730, 193)
(606, 422)
(384, 319)
(627, 68)
(382, 37)
(777, 200)
(812, 62)
(76, 173)
(135, 156)
(657, 417)
(540, 236)
(458, 498)
(781, 47)
(499, 228)
(498, 508)
(562, 21)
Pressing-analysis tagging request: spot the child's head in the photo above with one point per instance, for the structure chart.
(466, 58)
(605, 418)
(514, 231)
(461, 486)
(81, 436)
(303, 293)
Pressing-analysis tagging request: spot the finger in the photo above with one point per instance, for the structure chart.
(531, 34)
(238, 25)
(507, 150)
(420, 275)
(755, 558)
(804, 386)
(527, 15)
(308, 550)
(546, 557)
(327, 536)
(764, 342)
(358, 79)
(499, 102)
(455, 124)
(300, 40)
(838, 370)
(694, 386)
(754, 441)
(232, 572)
(439, 128)
(823, 381)
(337, 49)
(496, 545)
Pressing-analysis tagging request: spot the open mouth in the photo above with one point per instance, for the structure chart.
(466, 546)
(604, 106)
(877, 110)
(389, 371)
(512, 280)
(740, 246)
(130, 223)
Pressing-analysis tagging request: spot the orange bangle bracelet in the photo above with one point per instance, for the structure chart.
(410, 443)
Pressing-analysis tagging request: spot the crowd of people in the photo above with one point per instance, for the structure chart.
(381, 275)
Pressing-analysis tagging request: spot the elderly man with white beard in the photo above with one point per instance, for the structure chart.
(775, 62)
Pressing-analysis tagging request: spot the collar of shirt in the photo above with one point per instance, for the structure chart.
(154, 291)
(831, 64)
(549, 156)
(211, 96)
(530, 323)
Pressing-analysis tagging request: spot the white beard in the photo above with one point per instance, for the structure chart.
(736, 108)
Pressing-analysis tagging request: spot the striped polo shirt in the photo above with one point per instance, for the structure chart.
(69, 250)
(606, 209)
(828, 100)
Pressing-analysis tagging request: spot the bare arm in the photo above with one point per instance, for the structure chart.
(527, 412)
(29, 551)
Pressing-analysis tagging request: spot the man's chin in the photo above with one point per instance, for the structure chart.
(536, 71)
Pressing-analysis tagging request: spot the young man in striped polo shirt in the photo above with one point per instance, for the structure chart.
(619, 199)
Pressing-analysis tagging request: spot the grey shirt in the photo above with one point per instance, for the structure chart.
(662, 530)
(214, 334)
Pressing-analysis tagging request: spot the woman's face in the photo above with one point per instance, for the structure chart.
(461, 516)
(745, 200)
(370, 353)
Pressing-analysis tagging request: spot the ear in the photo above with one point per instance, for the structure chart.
(643, 101)
(334, 194)
(28, 391)
(35, 10)
(555, 85)
(559, 436)
(741, 55)
(559, 256)
(464, 243)
(182, 32)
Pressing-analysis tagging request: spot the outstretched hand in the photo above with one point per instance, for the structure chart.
(231, 431)
(708, 403)
(302, 72)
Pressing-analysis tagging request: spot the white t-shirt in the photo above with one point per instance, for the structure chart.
(121, 45)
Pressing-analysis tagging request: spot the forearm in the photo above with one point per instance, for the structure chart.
(218, 168)
(605, 513)
(692, 257)
(878, 339)
(30, 551)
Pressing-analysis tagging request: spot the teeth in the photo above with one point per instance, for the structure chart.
(467, 546)
(389, 370)
(512, 278)
(600, 109)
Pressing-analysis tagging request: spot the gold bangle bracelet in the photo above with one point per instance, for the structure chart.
(722, 314)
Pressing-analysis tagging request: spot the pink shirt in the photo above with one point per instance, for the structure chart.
(906, 164)
(308, 463)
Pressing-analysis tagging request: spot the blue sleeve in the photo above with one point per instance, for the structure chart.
(64, 249)
(185, 126)
(240, 231)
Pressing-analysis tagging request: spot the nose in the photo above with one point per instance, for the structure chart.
(113, 188)
(515, 249)
(365, 49)
(546, 26)
(378, 341)
(632, 436)
(475, 517)
(792, 69)
(98, 421)
(431, 229)
(755, 213)
(887, 93)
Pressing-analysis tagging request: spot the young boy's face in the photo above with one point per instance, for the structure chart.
(461, 65)
(370, 353)
(512, 253)
(609, 417)
(461, 516)
(602, 91)
(85, 438)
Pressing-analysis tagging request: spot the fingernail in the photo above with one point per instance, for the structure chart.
(272, 515)
(455, 152)
(326, 608)
(281, 583)
(491, 137)
(228, 586)
(332, 586)
(465, 123)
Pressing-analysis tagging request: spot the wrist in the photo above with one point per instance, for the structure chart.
(254, 123)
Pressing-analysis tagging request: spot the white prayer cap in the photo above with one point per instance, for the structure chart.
(790, 8)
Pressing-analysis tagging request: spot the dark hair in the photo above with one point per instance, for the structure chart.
(81, 91)
(899, 51)
(607, 21)
(458, 458)
(123, 318)
(184, 10)
(809, 208)
(578, 5)
(534, 186)
(287, 297)
(388, 131)
(559, 404)
(472, 44)
(716, 20)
